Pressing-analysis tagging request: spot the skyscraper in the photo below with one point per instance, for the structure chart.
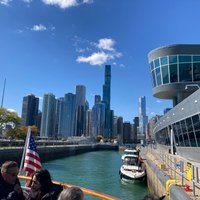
(106, 101)
(30, 110)
(67, 119)
(80, 126)
(48, 116)
(98, 119)
(143, 119)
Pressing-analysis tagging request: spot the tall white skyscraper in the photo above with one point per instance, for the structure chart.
(48, 116)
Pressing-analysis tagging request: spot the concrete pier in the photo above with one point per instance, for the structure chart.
(53, 152)
(162, 179)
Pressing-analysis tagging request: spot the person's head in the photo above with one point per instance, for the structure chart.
(72, 193)
(41, 180)
(153, 197)
(9, 171)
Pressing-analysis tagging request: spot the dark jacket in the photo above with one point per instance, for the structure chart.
(7, 191)
(52, 194)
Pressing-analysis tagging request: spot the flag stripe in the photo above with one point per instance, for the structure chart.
(32, 160)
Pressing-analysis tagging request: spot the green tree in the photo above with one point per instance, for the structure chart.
(8, 118)
(99, 138)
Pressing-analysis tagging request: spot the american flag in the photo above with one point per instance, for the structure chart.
(32, 160)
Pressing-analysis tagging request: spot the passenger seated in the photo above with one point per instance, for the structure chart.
(42, 187)
(72, 193)
(9, 183)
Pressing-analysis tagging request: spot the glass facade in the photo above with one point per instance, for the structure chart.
(175, 69)
(186, 132)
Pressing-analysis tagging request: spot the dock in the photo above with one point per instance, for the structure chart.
(171, 175)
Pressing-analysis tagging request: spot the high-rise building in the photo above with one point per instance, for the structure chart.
(143, 118)
(30, 110)
(67, 120)
(97, 99)
(106, 100)
(48, 116)
(126, 132)
(135, 128)
(88, 123)
(120, 129)
(80, 126)
(98, 119)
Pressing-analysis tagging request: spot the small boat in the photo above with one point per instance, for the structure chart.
(132, 169)
(130, 152)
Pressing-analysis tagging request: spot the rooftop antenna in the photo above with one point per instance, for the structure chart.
(4, 86)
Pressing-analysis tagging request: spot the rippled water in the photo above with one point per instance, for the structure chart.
(98, 171)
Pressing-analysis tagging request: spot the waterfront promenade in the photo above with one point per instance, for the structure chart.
(172, 175)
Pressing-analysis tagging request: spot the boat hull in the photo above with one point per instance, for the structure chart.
(132, 175)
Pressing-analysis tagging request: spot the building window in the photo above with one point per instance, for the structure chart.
(165, 74)
(196, 125)
(185, 72)
(185, 59)
(185, 133)
(190, 130)
(157, 63)
(164, 60)
(173, 73)
(196, 58)
(153, 78)
(172, 59)
(196, 71)
(158, 76)
(152, 65)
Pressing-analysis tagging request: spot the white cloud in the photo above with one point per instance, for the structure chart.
(39, 27)
(62, 3)
(5, 2)
(88, 1)
(26, 1)
(98, 58)
(107, 51)
(106, 44)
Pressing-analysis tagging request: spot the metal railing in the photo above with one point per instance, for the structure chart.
(179, 168)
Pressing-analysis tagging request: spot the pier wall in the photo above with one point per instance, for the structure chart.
(52, 152)
(157, 179)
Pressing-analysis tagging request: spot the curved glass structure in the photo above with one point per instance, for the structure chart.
(175, 69)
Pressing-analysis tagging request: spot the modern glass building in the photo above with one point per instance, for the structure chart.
(48, 116)
(30, 110)
(175, 72)
(172, 69)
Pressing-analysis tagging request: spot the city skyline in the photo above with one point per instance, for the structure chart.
(52, 46)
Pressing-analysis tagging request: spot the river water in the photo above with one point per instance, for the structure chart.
(98, 171)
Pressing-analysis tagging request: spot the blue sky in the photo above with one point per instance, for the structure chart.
(53, 45)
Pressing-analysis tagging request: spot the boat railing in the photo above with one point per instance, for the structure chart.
(85, 190)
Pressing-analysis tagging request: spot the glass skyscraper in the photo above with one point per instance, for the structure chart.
(106, 101)
(48, 116)
(30, 110)
(143, 119)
